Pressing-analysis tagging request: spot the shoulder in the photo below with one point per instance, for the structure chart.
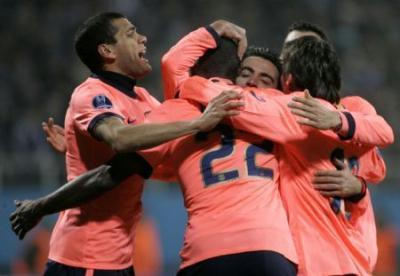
(358, 104)
(146, 96)
(91, 91)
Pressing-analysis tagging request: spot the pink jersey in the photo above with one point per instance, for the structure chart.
(366, 222)
(228, 180)
(316, 226)
(99, 234)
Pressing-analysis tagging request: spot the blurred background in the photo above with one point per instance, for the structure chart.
(39, 70)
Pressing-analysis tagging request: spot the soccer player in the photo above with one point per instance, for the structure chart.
(330, 183)
(104, 117)
(314, 224)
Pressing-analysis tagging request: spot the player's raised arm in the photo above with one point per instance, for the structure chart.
(176, 63)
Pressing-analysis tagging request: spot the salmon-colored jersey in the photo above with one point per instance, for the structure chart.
(228, 180)
(99, 234)
(366, 220)
(176, 63)
(327, 240)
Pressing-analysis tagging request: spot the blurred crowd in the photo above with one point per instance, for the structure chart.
(39, 68)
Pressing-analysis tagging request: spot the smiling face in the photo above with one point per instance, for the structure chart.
(257, 72)
(127, 54)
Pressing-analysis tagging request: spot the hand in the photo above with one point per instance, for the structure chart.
(313, 113)
(25, 217)
(225, 104)
(55, 135)
(337, 183)
(229, 30)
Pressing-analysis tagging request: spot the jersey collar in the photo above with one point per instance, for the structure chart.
(118, 81)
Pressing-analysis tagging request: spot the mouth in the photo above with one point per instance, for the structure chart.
(142, 55)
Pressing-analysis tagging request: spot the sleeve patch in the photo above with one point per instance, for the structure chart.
(101, 102)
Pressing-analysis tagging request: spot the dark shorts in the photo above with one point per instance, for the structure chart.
(255, 263)
(57, 269)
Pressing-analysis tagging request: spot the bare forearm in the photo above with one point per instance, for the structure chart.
(129, 139)
(77, 192)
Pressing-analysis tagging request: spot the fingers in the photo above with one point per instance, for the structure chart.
(304, 114)
(226, 96)
(331, 173)
(311, 102)
(327, 180)
(59, 129)
(327, 187)
(231, 113)
(307, 94)
(50, 122)
(341, 165)
(232, 105)
(20, 233)
(242, 46)
(330, 193)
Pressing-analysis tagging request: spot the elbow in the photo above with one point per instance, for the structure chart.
(104, 178)
(120, 143)
(166, 62)
(388, 137)
(121, 146)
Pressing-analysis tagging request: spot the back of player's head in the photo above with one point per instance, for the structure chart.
(222, 61)
(94, 31)
(314, 65)
(303, 26)
(264, 53)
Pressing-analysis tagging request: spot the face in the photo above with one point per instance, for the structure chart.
(257, 72)
(129, 50)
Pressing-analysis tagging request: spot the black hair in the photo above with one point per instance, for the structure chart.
(264, 53)
(222, 61)
(94, 31)
(314, 65)
(303, 26)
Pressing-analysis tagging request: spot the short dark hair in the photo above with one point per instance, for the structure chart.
(222, 61)
(94, 31)
(314, 65)
(264, 53)
(303, 26)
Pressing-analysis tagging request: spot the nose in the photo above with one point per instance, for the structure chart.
(251, 82)
(143, 39)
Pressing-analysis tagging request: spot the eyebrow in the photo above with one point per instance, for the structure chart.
(262, 74)
(131, 28)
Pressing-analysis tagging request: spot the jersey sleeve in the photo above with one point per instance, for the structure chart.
(372, 166)
(176, 63)
(365, 126)
(91, 105)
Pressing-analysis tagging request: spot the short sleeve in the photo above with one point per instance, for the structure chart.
(90, 105)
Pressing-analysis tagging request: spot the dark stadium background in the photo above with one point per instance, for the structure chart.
(39, 70)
